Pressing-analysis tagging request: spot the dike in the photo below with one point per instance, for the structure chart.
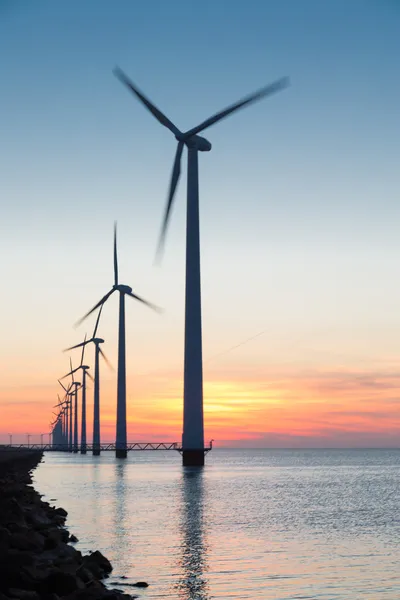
(36, 560)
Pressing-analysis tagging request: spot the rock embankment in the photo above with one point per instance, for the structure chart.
(36, 560)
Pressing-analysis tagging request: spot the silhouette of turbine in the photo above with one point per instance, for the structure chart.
(85, 372)
(124, 290)
(193, 427)
(96, 404)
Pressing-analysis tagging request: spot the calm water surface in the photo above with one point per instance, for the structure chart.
(259, 524)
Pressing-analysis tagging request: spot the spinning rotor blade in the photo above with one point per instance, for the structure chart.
(176, 172)
(72, 371)
(161, 118)
(115, 255)
(89, 375)
(97, 322)
(268, 90)
(78, 345)
(149, 304)
(100, 303)
(83, 349)
(63, 386)
(106, 359)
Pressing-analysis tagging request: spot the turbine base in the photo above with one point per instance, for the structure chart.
(121, 453)
(193, 458)
(96, 451)
(83, 450)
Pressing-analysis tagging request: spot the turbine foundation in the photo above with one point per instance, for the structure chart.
(193, 458)
(96, 451)
(121, 453)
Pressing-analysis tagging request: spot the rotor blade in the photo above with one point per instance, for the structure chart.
(64, 388)
(115, 255)
(72, 371)
(268, 90)
(83, 349)
(78, 345)
(100, 303)
(176, 172)
(161, 118)
(106, 359)
(89, 375)
(149, 304)
(97, 322)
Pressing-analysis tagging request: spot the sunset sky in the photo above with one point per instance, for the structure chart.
(299, 202)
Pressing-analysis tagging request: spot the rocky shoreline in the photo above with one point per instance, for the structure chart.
(37, 561)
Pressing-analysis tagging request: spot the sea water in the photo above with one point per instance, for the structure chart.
(259, 524)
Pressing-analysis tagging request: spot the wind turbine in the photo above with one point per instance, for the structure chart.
(69, 396)
(66, 404)
(193, 427)
(96, 405)
(124, 290)
(85, 373)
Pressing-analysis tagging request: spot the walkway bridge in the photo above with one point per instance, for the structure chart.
(96, 449)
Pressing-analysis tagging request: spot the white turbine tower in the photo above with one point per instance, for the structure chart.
(193, 420)
(124, 290)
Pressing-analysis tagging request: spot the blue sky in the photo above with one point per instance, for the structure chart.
(299, 196)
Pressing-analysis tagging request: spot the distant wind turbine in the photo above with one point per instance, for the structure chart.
(66, 405)
(193, 427)
(69, 396)
(124, 290)
(85, 372)
(96, 404)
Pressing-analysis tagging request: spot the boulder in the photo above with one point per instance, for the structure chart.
(30, 540)
(23, 594)
(97, 563)
(61, 583)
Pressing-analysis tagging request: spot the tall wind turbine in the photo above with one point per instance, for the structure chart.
(124, 290)
(96, 404)
(193, 426)
(85, 369)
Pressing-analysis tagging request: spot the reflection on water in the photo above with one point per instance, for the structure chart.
(121, 519)
(192, 583)
(251, 525)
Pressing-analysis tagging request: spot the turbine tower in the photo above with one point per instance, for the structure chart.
(193, 420)
(96, 404)
(124, 290)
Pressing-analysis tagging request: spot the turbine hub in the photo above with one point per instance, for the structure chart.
(98, 341)
(199, 143)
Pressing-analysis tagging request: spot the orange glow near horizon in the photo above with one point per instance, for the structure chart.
(331, 409)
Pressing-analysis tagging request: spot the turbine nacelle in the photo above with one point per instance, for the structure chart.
(125, 289)
(196, 141)
(98, 341)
